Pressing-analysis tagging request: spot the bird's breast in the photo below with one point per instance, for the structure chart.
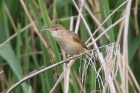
(70, 46)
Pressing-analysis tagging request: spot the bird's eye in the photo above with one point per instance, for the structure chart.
(56, 29)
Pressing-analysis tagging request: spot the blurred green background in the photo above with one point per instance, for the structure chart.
(26, 52)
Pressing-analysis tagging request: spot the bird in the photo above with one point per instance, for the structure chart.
(68, 41)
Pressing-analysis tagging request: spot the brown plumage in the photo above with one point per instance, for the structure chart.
(68, 40)
(77, 39)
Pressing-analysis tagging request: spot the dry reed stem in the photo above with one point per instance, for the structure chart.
(3, 80)
(41, 38)
(32, 22)
(42, 70)
(125, 64)
(136, 22)
(54, 10)
(111, 85)
(121, 72)
(62, 75)
(97, 9)
(71, 23)
(14, 35)
(107, 30)
(133, 78)
(117, 86)
(10, 18)
(106, 20)
(125, 48)
(130, 73)
(96, 20)
(36, 30)
(78, 19)
(112, 59)
(135, 17)
(96, 47)
(66, 79)
(79, 82)
(112, 54)
(131, 84)
(47, 68)
(67, 74)
(111, 27)
(120, 29)
(31, 53)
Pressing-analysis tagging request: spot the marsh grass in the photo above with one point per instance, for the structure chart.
(24, 50)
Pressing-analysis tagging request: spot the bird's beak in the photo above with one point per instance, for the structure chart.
(45, 30)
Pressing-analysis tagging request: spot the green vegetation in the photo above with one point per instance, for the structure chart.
(21, 23)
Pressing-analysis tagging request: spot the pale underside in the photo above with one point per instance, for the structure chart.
(68, 43)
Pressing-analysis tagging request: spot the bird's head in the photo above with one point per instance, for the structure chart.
(55, 28)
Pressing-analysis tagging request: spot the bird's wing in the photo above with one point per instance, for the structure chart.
(77, 39)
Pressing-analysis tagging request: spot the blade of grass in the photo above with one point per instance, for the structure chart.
(8, 54)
